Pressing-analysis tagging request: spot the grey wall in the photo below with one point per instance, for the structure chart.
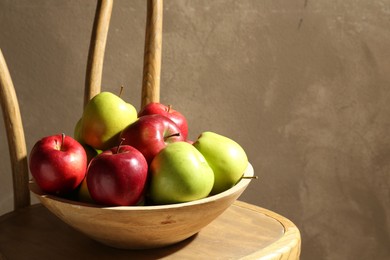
(303, 86)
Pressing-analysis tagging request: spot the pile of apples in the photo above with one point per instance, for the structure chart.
(118, 157)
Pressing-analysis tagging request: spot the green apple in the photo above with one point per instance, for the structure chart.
(91, 152)
(77, 132)
(104, 117)
(225, 156)
(179, 173)
(83, 193)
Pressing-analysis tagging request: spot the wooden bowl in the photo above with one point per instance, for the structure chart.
(141, 227)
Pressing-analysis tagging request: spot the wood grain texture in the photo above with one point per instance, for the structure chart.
(142, 227)
(15, 136)
(152, 53)
(243, 231)
(93, 79)
(286, 247)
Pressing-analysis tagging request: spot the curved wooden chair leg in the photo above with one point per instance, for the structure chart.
(152, 53)
(15, 136)
(97, 48)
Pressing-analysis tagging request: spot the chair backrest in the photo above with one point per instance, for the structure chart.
(15, 135)
(150, 86)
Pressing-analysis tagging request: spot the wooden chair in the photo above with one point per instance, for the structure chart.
(244, 231)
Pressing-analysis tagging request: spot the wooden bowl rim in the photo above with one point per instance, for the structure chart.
(249, 172)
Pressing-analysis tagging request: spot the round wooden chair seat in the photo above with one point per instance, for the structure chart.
(242, 231)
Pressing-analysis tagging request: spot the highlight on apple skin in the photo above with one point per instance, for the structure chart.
(119, 157)
(179, 173)
(225, 156)
(58, 164)
(167, 110)
(117, 177)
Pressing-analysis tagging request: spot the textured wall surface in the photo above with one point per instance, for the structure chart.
(303, 86)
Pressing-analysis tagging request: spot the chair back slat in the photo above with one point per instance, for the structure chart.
(150, 86)
(93, 79)
(15, 136)
(152, 53)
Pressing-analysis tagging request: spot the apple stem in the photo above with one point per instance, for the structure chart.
(169, 108)
(121, 90)
(250, 177)
(62, 140)
(119, 146)
(172, 135)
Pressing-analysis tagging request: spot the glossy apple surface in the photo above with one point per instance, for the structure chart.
(104, 117)
(179, 173)
(117, 177)
(151, 133)
(168, 111)
(225, 156)
(58, 164)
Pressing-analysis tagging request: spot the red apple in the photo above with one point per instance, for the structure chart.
(151, 133)
(58, 164)
(117, 177)
(168, 111)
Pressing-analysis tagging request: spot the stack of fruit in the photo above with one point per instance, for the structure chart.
(119, 157)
